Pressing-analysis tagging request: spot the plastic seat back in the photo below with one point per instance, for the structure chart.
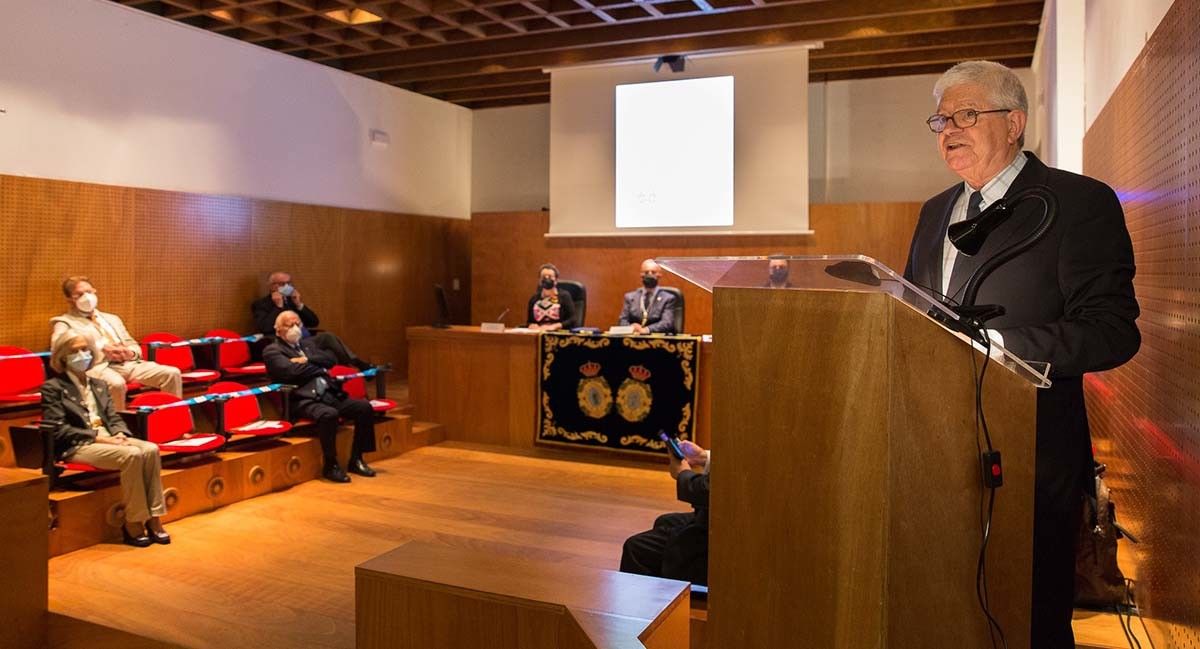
(180, 357)
(356, 388)
(168, 424)
(233, 353)
(239, 411)
(20, 376)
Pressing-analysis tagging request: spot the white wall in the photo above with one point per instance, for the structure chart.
(1116, 32)
(102, 93)
(510, 159)
(867, 141)
(1084, 49)
(770, 139)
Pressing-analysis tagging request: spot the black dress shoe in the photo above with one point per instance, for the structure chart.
(139, 541)
(161, 538)
(358, 467)
(334, 473)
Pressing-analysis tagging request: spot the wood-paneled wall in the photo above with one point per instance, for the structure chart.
(507, 249)
(1145, 415)
(186, 263)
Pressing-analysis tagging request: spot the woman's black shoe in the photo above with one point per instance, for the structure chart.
(161, 538)
(140, 541)
(358, 467)
(334, 473)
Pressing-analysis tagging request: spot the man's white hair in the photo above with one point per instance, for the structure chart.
(1003, 85)
(279, 318)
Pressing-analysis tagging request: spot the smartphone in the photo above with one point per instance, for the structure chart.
(672, 445)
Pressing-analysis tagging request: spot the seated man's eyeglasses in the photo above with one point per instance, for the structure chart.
(964, 118)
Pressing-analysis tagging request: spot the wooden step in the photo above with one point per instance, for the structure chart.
(88, 511)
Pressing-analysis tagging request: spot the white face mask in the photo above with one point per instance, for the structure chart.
(86, 302)
(292, 335)
(80, 361)
(286, 290)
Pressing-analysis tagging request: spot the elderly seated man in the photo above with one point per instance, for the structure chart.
(118, 357)
(649, 309)
(283, 296)
(302, 362)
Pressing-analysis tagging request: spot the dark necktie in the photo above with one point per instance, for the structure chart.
(957, 269)
(973, 205)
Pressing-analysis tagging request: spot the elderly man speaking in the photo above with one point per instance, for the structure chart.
(1069, 299)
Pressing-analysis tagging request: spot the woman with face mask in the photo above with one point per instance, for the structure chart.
(550, 309)
(89, 430)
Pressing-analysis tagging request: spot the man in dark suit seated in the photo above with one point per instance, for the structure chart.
(1069, 300)
(648, 309)
(301, 362)
(677, 546)
(283, 296)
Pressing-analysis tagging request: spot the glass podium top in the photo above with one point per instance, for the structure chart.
(838, 273)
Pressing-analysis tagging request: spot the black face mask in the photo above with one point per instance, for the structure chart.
(649, 281)
(779, 275)
(547, 283)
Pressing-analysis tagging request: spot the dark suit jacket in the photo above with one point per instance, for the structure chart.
(305, 376)
(62, 402)
(264, 311)
(660, 311)
(1069, 301)
(685, 555)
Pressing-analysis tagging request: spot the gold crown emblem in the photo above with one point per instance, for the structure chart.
(589, 369)
(639, 372)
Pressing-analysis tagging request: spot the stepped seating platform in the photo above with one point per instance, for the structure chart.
(89, 511)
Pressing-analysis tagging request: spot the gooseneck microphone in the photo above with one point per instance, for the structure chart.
(968, 237)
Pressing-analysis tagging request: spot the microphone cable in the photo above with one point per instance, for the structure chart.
(989, 493)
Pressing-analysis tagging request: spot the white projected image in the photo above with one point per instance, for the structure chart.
(674, 158)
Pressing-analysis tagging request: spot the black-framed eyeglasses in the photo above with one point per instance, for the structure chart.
(964, 118)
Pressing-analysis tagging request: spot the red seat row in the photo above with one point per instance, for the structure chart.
(22, 372)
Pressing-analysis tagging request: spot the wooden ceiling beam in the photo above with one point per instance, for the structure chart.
(538, 9)
(501, 92)
(482, 81)
(904, 70)
(504, 103)
(816, 21)
(940, 55)
(599, 13)
(714, 42)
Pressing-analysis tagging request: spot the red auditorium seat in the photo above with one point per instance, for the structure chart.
(356, 388)
(242, 414)
(172, 428)
(233, 356)
(20, 378)
(180, 357)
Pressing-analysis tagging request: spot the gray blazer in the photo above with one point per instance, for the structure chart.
(62, 402)
(660, 306)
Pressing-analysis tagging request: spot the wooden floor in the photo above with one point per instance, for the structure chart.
(278, 570)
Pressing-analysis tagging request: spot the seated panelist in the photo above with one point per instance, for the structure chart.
(88, 429)
(117, 357)
(648, 309)
(301, 362)
(550, 309)
(283, 296)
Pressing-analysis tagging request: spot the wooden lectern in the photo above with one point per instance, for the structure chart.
(847, 490)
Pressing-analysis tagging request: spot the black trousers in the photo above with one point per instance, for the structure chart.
(334, 345)
(675, 548)
(1055, 533)
(326, 416)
